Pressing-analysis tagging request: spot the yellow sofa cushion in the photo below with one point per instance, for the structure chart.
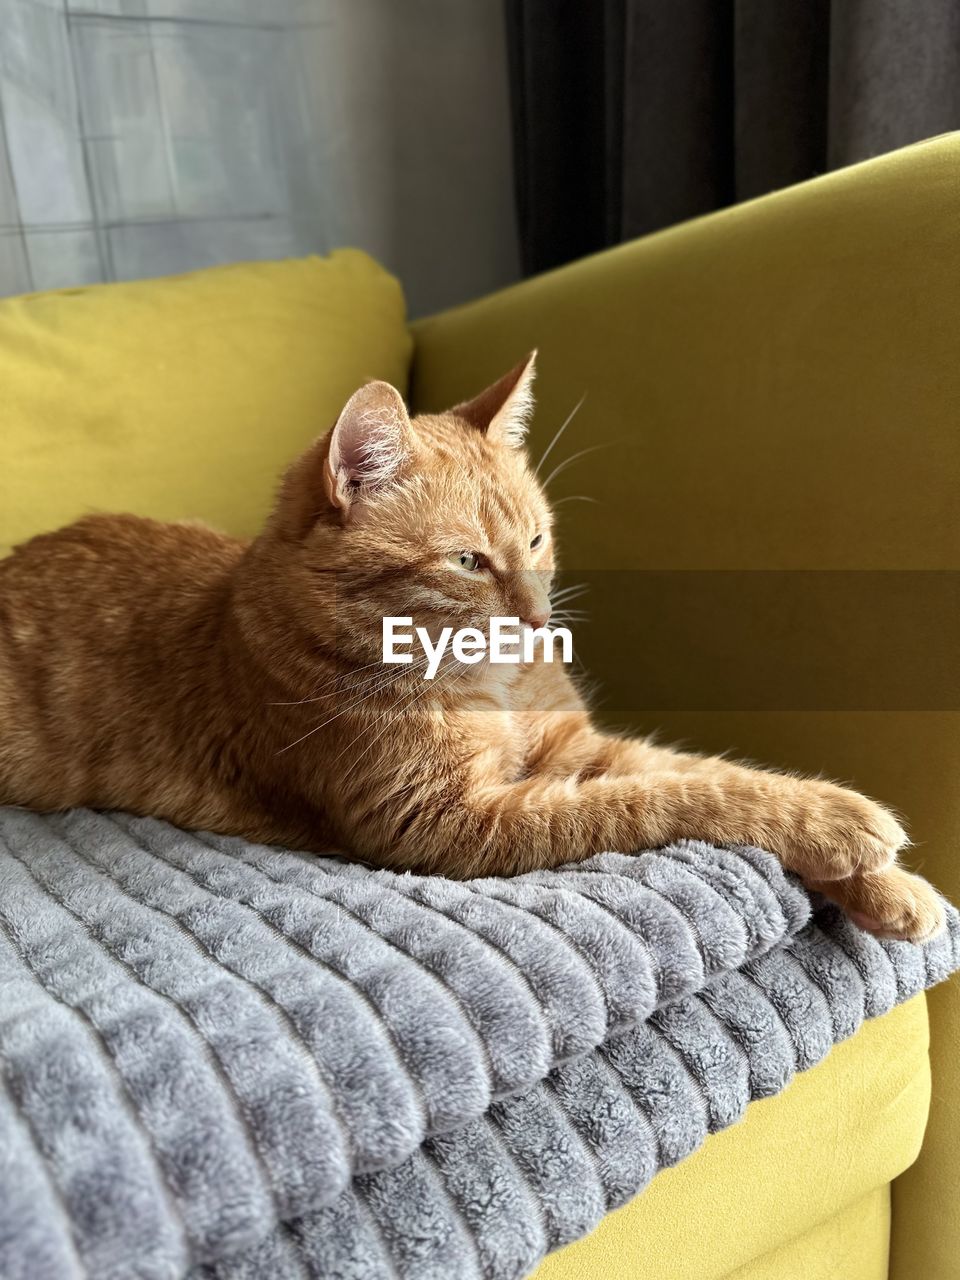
(185, 396)
(796, 1161)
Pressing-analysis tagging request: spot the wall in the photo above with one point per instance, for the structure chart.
(141, 137)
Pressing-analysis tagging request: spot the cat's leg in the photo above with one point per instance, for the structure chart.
(506, 828)
(889, 902)
(820, 830)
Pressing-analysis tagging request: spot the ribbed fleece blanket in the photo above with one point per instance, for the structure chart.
(227, 1061)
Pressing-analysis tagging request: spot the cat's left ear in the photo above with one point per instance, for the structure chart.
(503, 410)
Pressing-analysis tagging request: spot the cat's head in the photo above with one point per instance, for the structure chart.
(438, 517)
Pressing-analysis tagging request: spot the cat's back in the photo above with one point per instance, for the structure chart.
(87, 596)
(102, 559)
(106, 627)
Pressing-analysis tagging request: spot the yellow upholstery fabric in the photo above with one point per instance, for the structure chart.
(185, 396)
(839, 1132)
(778, 385)
(855, 1242)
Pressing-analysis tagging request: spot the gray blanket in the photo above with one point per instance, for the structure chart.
(228, 1061)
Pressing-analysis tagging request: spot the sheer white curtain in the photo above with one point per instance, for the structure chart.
(140, 137)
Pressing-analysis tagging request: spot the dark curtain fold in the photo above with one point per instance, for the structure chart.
(629, 115)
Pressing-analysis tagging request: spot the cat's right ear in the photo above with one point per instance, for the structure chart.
(368, 446)
(364, 451)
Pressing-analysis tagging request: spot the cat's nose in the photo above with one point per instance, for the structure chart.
(538, 619)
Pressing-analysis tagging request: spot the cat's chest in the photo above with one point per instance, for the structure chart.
(498, 738)
(500, 745)
(502, 725)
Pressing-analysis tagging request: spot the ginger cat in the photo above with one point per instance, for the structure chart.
(167, 669)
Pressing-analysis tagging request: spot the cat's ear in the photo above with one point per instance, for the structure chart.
(503, 410)
(368, 446)
(364, 450)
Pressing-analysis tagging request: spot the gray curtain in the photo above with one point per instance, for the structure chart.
(629, 115)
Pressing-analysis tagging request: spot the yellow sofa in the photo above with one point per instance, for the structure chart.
(780, 386)
(776, 385)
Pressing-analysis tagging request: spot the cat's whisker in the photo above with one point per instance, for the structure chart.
(385, 670)
(576, 497)
(566, 422)
(339, 684)
(563, 606)
(371, 693)
(572, 592)
(334, 680)
(389, 676)
(562, 466)
(430, 686)
(355, 671)
(334, 688)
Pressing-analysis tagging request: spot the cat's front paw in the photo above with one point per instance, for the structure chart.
(839, 833)
(889, 904)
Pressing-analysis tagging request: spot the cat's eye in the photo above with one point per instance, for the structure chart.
(536, 542)
(469, 561)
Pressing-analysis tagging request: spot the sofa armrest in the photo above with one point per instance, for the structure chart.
(777, 386)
